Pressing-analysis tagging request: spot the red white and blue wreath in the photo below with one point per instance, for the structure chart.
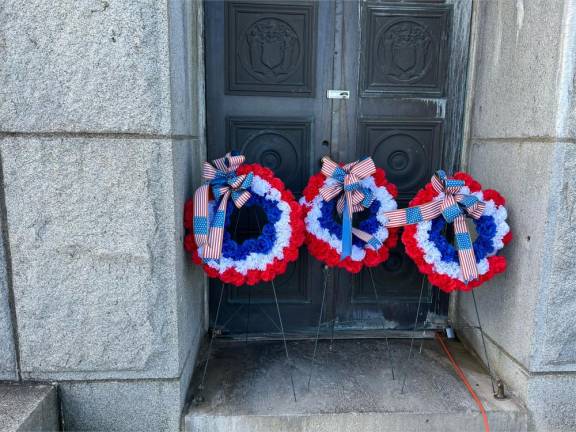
(331, 198)
(230, 184)
(451, 200)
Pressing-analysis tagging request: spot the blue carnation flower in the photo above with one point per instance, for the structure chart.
(328, 220)
(485, 229)
(264, 242)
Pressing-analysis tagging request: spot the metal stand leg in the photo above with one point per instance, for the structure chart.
(484, 343)
(200, 398)
(248, 315)
(284, 339)
(281, 326)
(333, 323)
(415, 326)
(383, 321)
(319, 323)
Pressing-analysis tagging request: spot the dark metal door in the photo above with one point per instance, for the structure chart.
(268, 67)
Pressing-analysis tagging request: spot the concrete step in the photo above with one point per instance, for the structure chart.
(27, 408)
(248, 390)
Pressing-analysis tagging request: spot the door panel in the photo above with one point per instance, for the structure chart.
(283, 145)
(271, 49)
(409, 150)
(405, 50)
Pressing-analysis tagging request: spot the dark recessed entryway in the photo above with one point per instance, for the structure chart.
(269, 66)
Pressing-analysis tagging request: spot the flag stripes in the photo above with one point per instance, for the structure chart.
(353, 198)
(225, 184)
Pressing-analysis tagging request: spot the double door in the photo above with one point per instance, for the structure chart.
(400, 71)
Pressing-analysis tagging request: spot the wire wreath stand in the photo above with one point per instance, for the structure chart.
(415, 328)
(332, 322)
(199, 397)
(280, 327)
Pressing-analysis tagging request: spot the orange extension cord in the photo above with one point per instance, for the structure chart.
(440, 339)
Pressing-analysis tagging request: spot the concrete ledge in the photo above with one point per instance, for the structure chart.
(248, 389)
(361, 422)
(28, 408)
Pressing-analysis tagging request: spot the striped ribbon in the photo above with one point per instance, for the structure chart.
(225, 184)
(353, 197)
(454, 207)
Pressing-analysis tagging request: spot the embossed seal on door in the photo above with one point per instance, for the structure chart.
(270, 51)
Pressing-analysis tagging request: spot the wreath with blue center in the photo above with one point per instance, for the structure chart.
(324, 226)
(429, 243)
(265, 256)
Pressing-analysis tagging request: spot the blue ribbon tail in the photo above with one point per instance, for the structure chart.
(346, 233)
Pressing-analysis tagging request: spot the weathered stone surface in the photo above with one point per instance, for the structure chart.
(552, 400)
(549, 397)
(7, 353)
(92, 229)
(95, 65)
(539, 283)
(190, 279)
(248, 389)
(511, 169)
(523, 131)
(28, 408)
(103, 287)
(566, 122)
(188, 154)
(187, 83)
(153, 405)
(186, 67)
(517, 68)
(555, 335)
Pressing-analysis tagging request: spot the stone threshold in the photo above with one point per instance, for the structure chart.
(352, 389)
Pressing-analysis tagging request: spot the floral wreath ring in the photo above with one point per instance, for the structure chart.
(208, 218)
(359, 187)
(469, 264)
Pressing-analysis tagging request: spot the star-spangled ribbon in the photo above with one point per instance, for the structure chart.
(352, 197)
(454, 207)
(222, 179)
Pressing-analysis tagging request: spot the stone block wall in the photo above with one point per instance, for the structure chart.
(101, 138)
(523, 143)
(8, 363)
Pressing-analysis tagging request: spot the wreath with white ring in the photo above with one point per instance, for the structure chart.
(255, 259)
(425, 242)
(324, 226)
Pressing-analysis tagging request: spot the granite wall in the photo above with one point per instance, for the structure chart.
(523, 143)
(101, 135)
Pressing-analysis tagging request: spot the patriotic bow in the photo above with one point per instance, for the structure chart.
(224, 183)
(454, 207)
(353, 197)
